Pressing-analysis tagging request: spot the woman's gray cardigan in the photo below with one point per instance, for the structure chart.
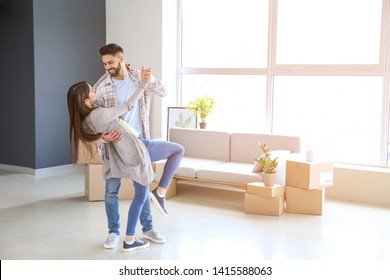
(128, 157)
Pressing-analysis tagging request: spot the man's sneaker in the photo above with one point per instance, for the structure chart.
(154, 236)
(138, 244)
(160, 202)
(111, 241)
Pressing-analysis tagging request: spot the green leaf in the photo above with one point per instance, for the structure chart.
(269, 164)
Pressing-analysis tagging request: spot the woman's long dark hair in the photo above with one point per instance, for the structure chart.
(78, 110)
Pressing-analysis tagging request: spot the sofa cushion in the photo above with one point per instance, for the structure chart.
(231, 172)
(274, 154)
(189, 166)
(201, 143)
(245, 146)
(257, 167)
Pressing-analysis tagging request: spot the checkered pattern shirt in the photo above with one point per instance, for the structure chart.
(106, 96)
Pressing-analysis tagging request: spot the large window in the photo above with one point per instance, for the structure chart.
(328, 31)
(224, 33)
(240, 100)
(315, 68)
(340, 117)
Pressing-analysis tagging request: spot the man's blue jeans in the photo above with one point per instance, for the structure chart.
(140, 206)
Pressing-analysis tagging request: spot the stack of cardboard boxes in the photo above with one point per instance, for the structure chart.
(263, 200)
(304, 192)
(305, 186)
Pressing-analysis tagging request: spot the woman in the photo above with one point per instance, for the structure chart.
(128, 159)
(88, 122)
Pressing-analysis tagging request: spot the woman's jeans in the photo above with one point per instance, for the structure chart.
(140, 206)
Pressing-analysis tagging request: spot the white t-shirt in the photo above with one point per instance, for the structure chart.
(124, 90)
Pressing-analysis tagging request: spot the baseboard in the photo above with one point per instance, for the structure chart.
(45, 172)
(17, 169)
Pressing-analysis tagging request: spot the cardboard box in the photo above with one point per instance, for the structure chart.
(158, 168)
(305, 201)
(255, 204)
(84, 157)
(95, 185)
(309, 175)
(258, 188)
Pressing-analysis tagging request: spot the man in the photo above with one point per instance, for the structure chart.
(113, 88)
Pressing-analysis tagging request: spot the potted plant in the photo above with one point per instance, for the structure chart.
(268, 165)
(202, 106)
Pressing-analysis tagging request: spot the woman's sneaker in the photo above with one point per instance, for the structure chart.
(159, 202)
(137, 244)
(111, 241)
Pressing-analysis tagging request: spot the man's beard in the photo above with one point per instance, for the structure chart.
(116, 70)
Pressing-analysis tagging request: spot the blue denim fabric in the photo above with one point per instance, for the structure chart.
(173, 152)
(112, 204)
(140, 206)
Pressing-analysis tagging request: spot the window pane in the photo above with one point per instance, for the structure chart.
(328, 31)
(225, 33)
(240, 100)
(339, 116)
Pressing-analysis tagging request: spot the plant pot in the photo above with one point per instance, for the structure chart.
(202, 125)
(269, 179)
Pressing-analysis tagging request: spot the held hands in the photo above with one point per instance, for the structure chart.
(146, 74)
(111, 136)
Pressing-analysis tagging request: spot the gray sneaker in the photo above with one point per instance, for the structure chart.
(111, 241)
(154, 236)
(159, 202)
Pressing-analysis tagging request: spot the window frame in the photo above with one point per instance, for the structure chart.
(381, 69)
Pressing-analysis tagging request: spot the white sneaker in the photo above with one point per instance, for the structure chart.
(154, 236)
(111, 241)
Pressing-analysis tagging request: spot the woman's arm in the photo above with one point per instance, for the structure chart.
(102, 117)
(136, 95)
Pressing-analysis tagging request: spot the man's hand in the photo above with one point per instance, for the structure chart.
(146, 74)
(112, 136)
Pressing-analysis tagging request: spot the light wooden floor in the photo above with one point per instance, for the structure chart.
(48, 218)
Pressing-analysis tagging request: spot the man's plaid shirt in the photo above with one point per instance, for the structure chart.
(106, 96)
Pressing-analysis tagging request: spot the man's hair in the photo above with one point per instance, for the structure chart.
(112, 49)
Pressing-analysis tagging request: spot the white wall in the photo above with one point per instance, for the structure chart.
(138, 27)
(170, 57)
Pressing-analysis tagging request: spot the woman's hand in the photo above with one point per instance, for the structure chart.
(111, 136)
(146, 74)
